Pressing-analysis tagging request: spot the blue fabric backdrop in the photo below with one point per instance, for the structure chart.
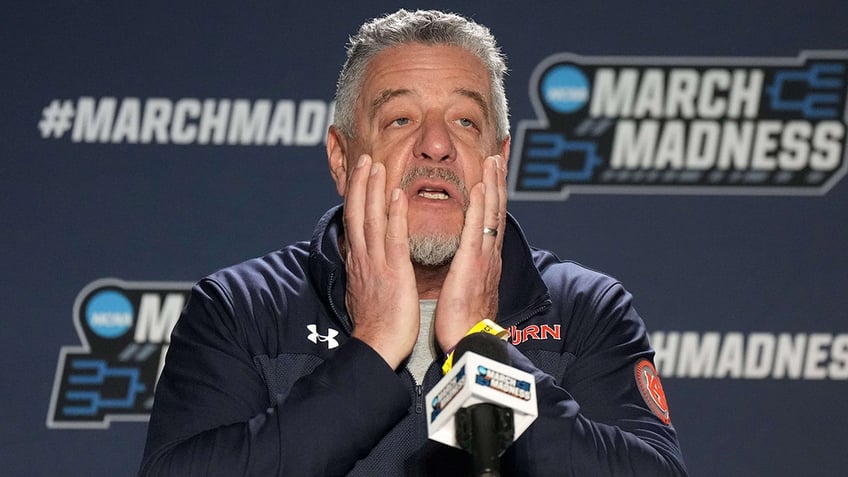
(152, 144)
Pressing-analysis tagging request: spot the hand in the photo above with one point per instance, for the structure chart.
(470, 291)
(381, 298)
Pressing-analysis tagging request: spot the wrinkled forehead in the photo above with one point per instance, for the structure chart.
(412, 69)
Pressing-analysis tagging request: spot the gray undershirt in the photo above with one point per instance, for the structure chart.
(424, 351)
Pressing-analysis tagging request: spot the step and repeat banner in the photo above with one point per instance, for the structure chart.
(695, 151)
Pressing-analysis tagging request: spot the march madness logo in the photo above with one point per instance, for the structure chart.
(124, 328)
(774, 126)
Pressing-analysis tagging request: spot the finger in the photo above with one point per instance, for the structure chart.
(472, 231)
(375, 211)
(397, 231)
(492, 211)
(354, 204)
(502, 196)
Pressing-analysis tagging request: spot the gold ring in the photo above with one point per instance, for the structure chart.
(490, 231)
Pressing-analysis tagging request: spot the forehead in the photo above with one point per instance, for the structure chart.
(425, 69)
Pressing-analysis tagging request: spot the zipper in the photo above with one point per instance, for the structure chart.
(419, 398)
(535, 311)
(346, 323)
(417, 390)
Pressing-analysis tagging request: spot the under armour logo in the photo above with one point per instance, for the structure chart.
(330, 338)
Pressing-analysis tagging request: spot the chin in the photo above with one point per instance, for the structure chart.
(433, 250)
(443, 223)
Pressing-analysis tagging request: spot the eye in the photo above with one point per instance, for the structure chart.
(400, 122)
(466, 123)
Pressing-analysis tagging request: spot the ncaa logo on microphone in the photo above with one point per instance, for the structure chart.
(503, 383)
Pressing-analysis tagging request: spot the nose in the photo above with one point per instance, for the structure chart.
(434, 141)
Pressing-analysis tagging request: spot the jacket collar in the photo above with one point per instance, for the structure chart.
(522, 292)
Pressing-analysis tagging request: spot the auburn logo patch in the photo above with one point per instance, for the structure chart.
(652, 390)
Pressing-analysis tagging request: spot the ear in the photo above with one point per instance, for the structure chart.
(336, 159)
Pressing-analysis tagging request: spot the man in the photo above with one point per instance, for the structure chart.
(314, 360)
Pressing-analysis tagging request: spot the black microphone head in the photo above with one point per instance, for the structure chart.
(484, 344)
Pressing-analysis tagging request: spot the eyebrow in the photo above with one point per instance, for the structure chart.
(477, 97)
(384, 97)
(387, 95)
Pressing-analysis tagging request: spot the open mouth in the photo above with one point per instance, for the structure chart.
(434, 185)
(434, 194)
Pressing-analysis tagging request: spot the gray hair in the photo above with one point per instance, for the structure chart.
(429, 27)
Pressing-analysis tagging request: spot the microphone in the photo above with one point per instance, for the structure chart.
(483, 404)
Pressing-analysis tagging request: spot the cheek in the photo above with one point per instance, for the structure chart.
(473, 174)
(395, 170)
(472, 167)
(392, 182)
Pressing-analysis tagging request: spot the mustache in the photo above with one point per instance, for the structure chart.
(446, 175)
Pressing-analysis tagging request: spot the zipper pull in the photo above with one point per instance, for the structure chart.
(419, 399)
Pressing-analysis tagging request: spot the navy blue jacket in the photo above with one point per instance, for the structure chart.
(263, 378)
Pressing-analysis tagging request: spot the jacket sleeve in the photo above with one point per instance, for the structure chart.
(213, 416)
(597, 419)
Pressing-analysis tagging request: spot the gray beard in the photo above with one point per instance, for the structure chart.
(433, 250)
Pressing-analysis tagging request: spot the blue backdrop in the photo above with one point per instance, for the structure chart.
(695, 150)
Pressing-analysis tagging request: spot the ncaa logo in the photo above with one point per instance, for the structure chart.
(109, 314)
(565, 88)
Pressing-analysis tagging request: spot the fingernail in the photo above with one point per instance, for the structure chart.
(395, 194)
(373, 169)
(361, 161)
